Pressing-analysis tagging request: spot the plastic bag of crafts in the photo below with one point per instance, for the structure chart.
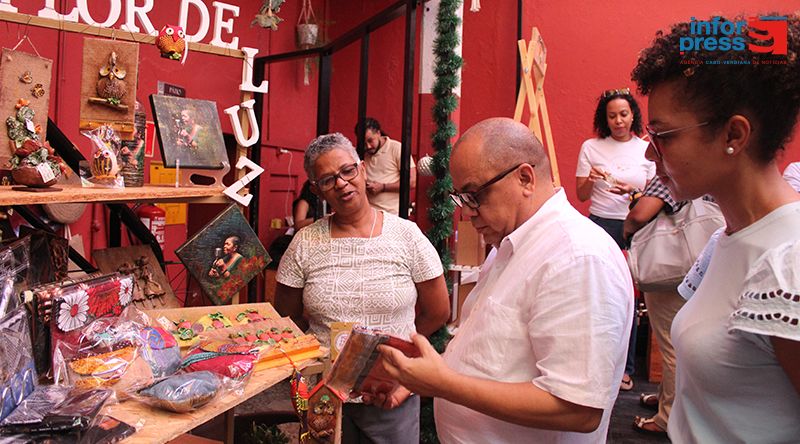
(73, 415)
(182, 392)
(104, 166)
(235, 362)
(107, 354)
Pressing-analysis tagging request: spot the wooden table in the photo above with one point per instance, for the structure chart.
(161, 426)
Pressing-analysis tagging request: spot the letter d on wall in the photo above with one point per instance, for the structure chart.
(233, 113)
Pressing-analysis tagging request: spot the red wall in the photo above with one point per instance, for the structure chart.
(592, 46)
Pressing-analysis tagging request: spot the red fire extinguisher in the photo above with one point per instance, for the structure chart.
(155, 219)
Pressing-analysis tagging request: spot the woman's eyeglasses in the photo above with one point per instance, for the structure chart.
(656, 135)
(616, 92)
(470, 198)
(347, 173)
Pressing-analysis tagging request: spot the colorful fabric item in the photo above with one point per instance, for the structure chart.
(184, 392)
(161, 351)
(223, 358)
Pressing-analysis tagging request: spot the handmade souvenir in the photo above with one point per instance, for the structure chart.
(108, 353)
(324, 415)
(49, 252)
(17, 372)
(108, 85)
(160, 350)
(75, 414)
(182, 393)
(224, 358)
(171, 42)
(104, 163)
(24, 77)
(64, 308)
(34, 163)
(248, 316)
(132, 153)
(150, 286)
(15, 272)
(224, 255)
(189, 132)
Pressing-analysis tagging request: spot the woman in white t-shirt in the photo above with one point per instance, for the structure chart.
(612, 167)
(715, 129)
(364, 266)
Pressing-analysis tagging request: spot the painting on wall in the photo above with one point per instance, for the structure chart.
(189, 132)
(224, 255)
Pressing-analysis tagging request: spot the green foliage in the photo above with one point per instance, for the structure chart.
(261, 434)
(446, 66)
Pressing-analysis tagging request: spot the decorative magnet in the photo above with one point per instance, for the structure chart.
(26, 77)
(37, 90)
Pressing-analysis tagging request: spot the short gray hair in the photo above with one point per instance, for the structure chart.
(322, 145)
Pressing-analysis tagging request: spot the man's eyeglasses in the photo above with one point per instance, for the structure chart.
(656, 135)
(470, 198)
(616, 92)
(347, 173)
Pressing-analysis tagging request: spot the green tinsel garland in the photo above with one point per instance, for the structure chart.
(446, 66)
(440, 213)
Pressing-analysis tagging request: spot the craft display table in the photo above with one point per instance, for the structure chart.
(161, 426)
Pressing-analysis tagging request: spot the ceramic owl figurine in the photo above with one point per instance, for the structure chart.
(170, 42)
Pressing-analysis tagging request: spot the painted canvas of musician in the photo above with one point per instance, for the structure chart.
(189, 131)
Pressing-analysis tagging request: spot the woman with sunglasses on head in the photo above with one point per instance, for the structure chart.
(715, 129)
(612, 167)
(364, 266)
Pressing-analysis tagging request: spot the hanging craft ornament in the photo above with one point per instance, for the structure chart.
(26, 77)
(111, 88)
(171, 41)
(266, 17)
(307, 33)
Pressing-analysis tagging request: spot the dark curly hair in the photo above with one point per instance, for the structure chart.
(766, 94)
(369, 123)
(601, 121)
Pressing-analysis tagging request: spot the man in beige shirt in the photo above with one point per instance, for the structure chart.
(382, 159)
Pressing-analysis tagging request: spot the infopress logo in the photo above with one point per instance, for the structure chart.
(768, 35)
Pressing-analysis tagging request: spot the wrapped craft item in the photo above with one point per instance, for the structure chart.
(106, 354)
(64, 308)
(224, 358)
(75, 414)
(17, 372)
(160, 350)
(104, 162)
(181, 393)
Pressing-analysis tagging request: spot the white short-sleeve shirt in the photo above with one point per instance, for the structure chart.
(367, 281)
(625, 161)
(729, 384)
(554, 308)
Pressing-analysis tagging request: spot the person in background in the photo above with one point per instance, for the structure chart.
(540, 355)
(608, 165)
(382, 161)
(792, 175)
(715, 129)
(662, 306)
(304, 207)
(364, 266)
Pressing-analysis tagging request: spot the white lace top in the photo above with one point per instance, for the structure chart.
(770, 302)
(367, 281)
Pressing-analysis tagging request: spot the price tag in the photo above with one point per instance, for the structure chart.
(46, 172)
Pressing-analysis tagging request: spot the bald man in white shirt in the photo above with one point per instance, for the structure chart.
(541, 353)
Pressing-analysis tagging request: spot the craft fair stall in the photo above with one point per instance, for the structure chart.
(110, 353)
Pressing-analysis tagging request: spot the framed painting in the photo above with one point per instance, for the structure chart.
(188, 131)
(224, 255)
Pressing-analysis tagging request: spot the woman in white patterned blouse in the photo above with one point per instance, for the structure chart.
(364, 266)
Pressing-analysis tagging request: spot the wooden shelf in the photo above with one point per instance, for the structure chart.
(147, 193)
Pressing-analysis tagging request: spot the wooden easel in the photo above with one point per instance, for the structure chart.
(533, 57)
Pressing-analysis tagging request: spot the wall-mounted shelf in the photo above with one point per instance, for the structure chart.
(148, 193)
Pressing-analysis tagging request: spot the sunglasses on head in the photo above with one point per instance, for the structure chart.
(616, 92)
